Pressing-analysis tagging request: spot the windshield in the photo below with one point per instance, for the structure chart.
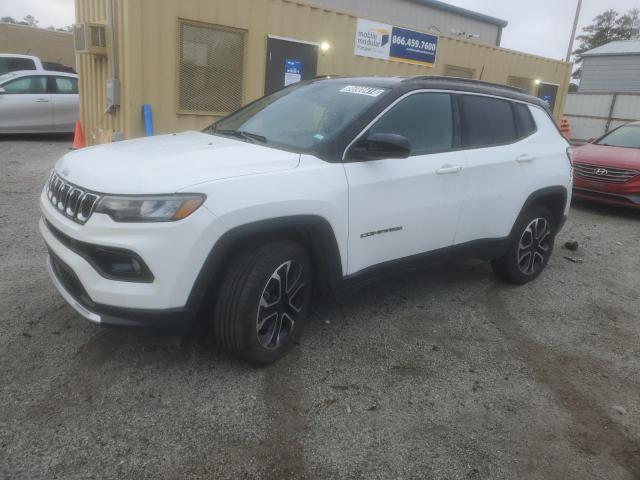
(627, 136)
(300, 118)
(7, 76)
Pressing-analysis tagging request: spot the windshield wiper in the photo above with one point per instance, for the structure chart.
(242, 134)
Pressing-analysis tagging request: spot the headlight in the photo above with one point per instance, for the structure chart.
(153, 208)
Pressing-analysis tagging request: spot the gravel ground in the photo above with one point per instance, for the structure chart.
(442, 374)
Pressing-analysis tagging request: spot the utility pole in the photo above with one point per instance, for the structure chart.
(573, 31)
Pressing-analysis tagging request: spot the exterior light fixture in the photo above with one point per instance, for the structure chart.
(537, 81)
(325, 46)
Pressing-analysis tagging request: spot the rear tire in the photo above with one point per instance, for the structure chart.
(263, 301)
(530, 247)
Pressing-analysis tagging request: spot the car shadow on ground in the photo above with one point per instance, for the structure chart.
(626, 213)
(149, 348)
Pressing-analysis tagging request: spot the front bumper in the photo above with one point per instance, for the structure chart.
(174, 252)
(178, 319)
(620, 194)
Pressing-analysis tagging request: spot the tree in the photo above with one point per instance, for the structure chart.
(628, 25)
(8, 20)
(608, 27)
(600, 32)
(30, 21)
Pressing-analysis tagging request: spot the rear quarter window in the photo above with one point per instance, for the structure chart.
(11, 64)
(486, 121)
(65, 85)
(525, 124)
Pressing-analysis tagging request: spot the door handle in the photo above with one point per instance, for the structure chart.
(448, 169)
(42, 100)
(524, 158)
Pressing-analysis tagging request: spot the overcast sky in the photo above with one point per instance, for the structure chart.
(541, 27)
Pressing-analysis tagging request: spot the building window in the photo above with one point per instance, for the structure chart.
(460, 72)
(210, 68)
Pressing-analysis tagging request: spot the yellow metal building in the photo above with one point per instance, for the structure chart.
(48, 45)
(195, 60)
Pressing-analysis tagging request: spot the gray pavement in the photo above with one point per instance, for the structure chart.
(441, 374)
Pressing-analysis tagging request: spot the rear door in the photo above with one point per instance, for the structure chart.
(65, 102)
(289, 62)
(498, 159)
(25, 105)
(403, 207)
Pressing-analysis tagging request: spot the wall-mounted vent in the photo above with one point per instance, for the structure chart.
(90, 38)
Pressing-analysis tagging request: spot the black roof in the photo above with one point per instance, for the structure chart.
(438, 82)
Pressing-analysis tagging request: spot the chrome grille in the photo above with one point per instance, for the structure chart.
(600, 173)
(71, 201)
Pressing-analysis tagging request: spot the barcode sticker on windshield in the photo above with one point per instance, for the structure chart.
(369, 91)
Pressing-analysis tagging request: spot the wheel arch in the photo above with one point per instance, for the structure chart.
(554, 198)
(313, 232)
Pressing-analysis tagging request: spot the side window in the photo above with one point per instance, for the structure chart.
(524, 120)
(66, 85)
(24, 85)
(486, 121)
(426, 119)
(21, 64)
(11, 64)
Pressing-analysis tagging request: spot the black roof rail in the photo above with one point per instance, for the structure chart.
(464, 80)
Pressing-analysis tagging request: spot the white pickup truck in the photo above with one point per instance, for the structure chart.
(10, 62)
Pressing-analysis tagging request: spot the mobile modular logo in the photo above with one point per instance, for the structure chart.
(377, 37)
(373, 39)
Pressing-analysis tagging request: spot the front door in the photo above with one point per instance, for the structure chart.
(404, 207)
(25, 105)
(289, 62)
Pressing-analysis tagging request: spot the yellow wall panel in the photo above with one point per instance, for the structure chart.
(147, 35)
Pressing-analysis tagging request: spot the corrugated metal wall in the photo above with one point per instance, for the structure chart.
(45, 44)
(94, 72)
(412, 14)
(591, 115)
(612, 73)
(148, 39)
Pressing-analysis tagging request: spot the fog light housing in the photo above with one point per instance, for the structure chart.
(119, 264)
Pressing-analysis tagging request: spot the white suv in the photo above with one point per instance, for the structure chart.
(319, 187)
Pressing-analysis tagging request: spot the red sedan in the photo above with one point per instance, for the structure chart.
(608, 169)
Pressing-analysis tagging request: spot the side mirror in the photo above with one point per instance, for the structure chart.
(381, 146)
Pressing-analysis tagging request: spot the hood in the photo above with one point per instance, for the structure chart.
(169, 163)
(614, 157)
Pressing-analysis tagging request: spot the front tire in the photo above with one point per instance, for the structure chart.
(530, 247)
(264, 301)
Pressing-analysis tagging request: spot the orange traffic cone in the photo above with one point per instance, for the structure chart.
(78, 137)
(565, 128)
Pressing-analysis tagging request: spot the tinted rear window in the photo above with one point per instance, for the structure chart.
(486, 121)
(524, 121)
(11, 64)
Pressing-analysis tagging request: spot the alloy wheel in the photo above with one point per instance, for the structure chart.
(281, 302)
(534, 246)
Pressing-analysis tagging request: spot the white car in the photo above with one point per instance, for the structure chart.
(38, 102)
(318, 187)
